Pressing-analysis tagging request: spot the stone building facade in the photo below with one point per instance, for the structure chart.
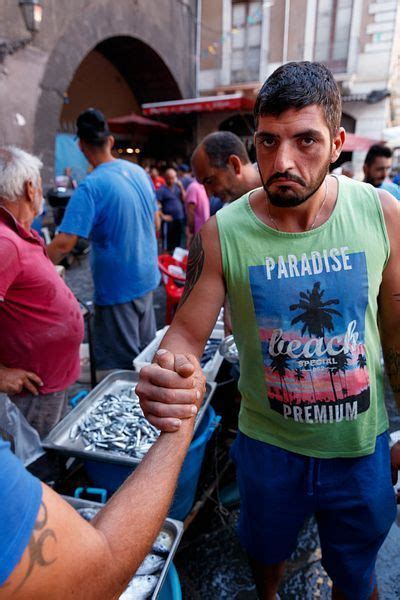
(114, 55)
(243, 42)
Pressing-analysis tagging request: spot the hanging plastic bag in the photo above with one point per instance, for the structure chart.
(14, 428)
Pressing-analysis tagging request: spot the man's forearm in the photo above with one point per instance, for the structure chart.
(68, 557)
(178, 340)
(56, 253)
(60, 246)
(137, 511)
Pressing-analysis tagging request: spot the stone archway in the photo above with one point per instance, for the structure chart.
(99, 23)
(117, 86)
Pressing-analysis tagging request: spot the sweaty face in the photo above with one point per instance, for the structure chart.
(218, 181)
(294, 151)
(377, 172)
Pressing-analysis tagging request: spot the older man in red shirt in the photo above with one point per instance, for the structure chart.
(40, 320)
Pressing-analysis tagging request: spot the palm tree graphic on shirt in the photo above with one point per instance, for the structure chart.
(279, 365)
(316, 316)
(342, 365)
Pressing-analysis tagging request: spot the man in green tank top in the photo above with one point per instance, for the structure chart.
(310, 263)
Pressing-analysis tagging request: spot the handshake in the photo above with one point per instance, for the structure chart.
(171, 389)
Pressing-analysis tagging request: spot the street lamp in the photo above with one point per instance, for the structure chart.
(32, 11)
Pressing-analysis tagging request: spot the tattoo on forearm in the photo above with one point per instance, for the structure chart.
(36, 544)
(194, 267)
(392, 364)
(392, 361)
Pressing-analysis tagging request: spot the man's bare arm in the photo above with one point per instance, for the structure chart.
(389, 311)
(165, 399)
(70, 558)
(389, 295)
(203, 295)
(60, 246)
(157, 221)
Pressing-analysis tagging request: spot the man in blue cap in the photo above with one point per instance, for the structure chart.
(115, 208)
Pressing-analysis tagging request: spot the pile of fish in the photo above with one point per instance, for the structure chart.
(116, 424)
(146, 577)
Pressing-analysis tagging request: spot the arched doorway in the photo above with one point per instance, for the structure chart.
(117, 76)
(138, 51)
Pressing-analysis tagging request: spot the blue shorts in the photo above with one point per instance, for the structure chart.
(352, 499)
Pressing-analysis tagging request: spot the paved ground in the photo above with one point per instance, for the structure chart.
(210, 562)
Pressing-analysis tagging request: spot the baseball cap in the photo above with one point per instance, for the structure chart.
(91, 126)
(184, 168)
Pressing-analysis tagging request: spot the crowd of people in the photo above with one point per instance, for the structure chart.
(309, 263)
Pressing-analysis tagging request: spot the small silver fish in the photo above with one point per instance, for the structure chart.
(140, 588)
(160, 549)
(88, 513)
(151, 564)
(162, 544)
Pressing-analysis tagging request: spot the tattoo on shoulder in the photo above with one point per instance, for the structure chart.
(41, 532)
(194, 267)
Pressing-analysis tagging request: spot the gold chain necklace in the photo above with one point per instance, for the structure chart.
(316, 216)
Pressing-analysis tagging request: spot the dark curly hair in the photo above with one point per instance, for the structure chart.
(297, 85)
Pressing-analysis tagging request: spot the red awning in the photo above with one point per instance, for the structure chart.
(357, 143)
(138, 124)
(235, 102)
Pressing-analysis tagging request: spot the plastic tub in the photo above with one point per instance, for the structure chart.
(111, 476)
(171, 589)
(188, 479)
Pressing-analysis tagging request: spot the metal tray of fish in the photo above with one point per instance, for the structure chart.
(87, 433)
(164, 548)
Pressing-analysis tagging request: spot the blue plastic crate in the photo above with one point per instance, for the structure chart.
(111, 476)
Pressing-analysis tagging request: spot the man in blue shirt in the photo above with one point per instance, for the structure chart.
(48, 551)
(115, 208)
(377, 166)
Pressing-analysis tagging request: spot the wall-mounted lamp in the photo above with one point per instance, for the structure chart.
(32, 11)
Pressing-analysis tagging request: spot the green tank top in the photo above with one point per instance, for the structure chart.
(304, 314)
